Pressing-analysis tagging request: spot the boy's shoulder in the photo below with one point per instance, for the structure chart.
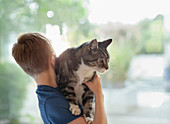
(48, 93)
(53, 106)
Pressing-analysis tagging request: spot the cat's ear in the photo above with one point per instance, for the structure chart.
(106, 43)
(93, 44)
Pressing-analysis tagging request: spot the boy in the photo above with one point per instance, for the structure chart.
(34, 54)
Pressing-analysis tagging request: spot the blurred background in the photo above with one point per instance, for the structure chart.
(137, 85)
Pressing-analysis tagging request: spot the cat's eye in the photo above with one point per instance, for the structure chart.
(101, 61)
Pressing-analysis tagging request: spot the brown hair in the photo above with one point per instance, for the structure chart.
(32, 52)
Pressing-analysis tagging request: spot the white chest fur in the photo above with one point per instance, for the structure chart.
(84, 72)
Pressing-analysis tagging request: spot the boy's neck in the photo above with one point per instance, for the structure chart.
(47, 77)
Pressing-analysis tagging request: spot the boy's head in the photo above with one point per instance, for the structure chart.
(32, 52)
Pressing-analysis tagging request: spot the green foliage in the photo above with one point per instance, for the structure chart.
(144, 38)
(152, 35)
(12, 89)
(121, 51)
(69, 12)
(122, 55)
(81, 33)
(120, 58)
(13, 16)
(31, 15)
(31, 118)
(14, 121)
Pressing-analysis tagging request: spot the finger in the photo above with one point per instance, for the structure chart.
(97, 76)
(87, 83)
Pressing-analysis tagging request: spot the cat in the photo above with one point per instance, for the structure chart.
(74, 67)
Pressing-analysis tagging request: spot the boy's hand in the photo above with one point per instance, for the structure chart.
(95, 85)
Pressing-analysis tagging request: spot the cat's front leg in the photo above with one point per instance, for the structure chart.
(68, 92)
(75, 109)
(88, 105)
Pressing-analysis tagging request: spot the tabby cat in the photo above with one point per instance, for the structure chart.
(74, 67)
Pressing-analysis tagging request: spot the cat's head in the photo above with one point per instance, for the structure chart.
(96, 55)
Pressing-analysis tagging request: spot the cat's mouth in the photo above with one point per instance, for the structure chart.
(102, 70)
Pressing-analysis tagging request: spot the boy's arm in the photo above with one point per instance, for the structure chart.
(99, 116)
(79, 120)
(95, 87)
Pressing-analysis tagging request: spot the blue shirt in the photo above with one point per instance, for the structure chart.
(54, 107)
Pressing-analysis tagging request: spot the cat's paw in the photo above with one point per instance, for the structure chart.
(88, 120)
(75, 109)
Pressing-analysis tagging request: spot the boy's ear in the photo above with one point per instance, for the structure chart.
(53, 59)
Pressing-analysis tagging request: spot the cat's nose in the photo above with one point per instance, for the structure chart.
(106, 67)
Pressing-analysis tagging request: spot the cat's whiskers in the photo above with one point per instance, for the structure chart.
(111, 67)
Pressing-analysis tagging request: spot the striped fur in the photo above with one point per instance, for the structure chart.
(74, 67)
